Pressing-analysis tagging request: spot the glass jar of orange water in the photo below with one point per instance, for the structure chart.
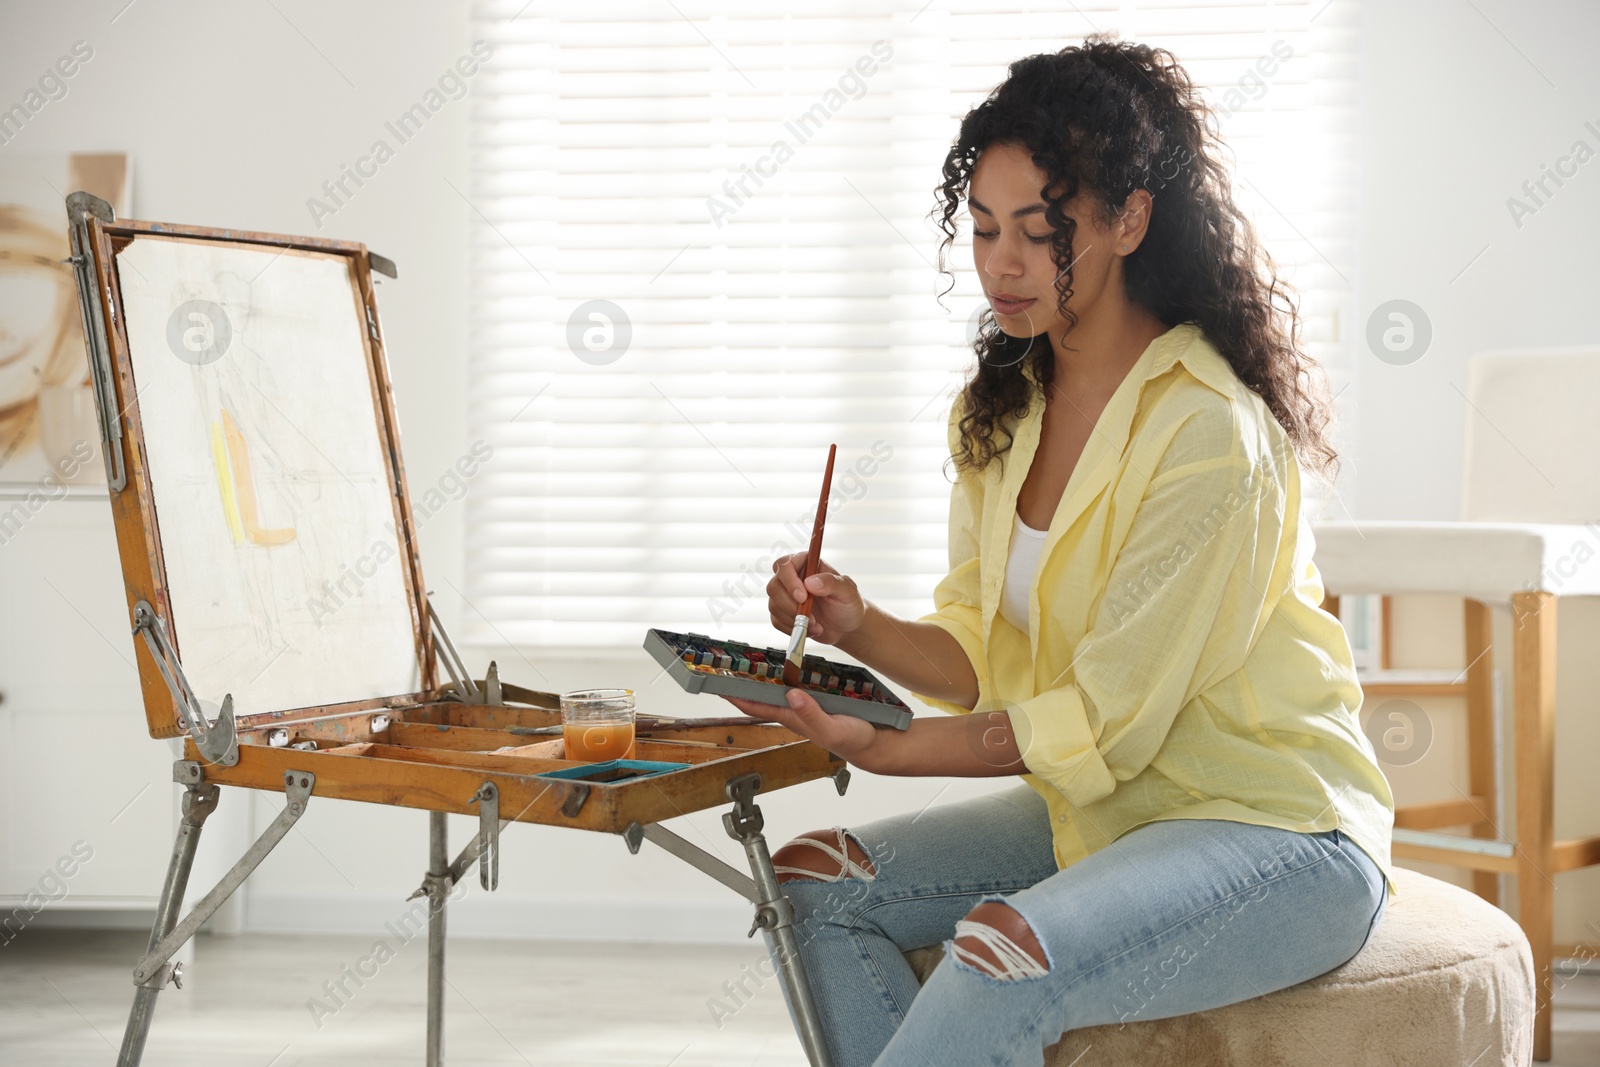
(597, 724)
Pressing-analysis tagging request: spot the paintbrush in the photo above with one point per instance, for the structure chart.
(642, 722)
(802, 619)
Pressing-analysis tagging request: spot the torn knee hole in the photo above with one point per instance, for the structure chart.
(823, 856)
(996, 941)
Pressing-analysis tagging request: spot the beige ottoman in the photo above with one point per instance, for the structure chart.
(1446, 979)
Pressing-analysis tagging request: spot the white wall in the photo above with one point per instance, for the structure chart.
(1455, 120)
(1459, 109)
(236, 114)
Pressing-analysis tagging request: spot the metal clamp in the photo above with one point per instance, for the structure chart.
(770, 915)
(382, 265)
(488, 800)
(436, 887)
(490, 692)
(81, 207)
(218, 742)
(169, 974)
(744, 822)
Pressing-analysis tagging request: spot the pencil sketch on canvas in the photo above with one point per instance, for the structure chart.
(273, 501)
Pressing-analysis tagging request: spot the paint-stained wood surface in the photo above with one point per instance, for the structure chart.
(440, 763)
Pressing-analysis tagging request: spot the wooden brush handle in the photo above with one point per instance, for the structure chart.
(814, 553)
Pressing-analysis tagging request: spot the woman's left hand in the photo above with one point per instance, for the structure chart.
(849, 738)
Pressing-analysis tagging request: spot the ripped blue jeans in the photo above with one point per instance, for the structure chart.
(1174, 917)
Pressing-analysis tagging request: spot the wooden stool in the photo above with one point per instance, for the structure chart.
(1526, 538)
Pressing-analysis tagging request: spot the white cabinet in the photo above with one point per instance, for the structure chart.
(87, 803)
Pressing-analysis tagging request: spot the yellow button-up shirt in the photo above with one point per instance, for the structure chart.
(1179, 664)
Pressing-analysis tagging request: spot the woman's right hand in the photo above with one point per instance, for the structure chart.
(837, 608)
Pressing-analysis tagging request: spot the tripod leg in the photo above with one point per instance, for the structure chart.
(199, 801)
(775, 915)
(438, 880)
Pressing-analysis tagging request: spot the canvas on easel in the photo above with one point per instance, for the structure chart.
(275, 591)
(287, 569)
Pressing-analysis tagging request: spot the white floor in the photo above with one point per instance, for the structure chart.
(64, 998)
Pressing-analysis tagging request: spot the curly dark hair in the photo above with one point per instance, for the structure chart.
(1108, 117)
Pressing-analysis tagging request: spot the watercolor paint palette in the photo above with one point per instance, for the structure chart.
(701, 664)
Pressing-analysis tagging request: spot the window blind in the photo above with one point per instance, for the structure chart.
(700, 254)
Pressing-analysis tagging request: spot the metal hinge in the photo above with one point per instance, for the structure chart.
(217, 741)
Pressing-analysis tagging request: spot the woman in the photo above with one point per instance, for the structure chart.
(1131, 621)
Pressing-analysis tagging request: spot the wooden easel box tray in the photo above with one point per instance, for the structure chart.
(416, 743)
(436, 754)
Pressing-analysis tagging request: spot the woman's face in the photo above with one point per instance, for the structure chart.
(1011, 245)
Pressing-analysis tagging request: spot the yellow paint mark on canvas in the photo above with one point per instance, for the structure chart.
(245, 488)
(230, 503)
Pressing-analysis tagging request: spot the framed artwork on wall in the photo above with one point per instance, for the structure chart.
(49, 436)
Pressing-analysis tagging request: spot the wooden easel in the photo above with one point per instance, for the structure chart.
(433, 748)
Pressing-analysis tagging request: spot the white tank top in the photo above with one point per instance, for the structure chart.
(1022, 560)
